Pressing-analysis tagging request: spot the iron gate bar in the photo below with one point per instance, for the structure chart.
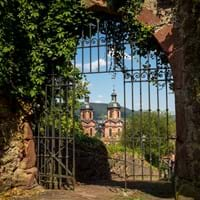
(125, 135)
(167, 115)
(140, 123)
(158, 124)
(132, 115)
(73, 131)
(149, 117)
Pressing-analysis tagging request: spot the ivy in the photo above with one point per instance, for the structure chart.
(36, 39)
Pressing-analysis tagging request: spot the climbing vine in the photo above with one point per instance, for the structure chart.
(38, 38)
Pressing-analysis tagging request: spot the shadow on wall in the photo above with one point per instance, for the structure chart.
(8, 123)
(10, 141)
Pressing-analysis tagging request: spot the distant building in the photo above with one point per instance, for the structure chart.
(110, 129)
(87, 121)
(113, 125)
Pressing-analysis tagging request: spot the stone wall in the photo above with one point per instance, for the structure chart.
(178, 33)
(188, 133)
(10, 142)
(17, 151)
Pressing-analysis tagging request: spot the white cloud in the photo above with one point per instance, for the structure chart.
(127, 56)
(100, 96)
(94, 65)
(98, 101)
(101, 63)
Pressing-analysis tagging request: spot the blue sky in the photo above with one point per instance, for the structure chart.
(101, 84)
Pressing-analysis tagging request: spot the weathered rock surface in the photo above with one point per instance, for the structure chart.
(17, 151)
(10, 161)
(134, 168)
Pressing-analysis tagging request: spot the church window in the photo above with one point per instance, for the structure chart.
(90, 131)
(90, 114)
(111, 112)
(110, 132)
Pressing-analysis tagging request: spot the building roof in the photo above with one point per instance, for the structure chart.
(113, 103)
(86, 105)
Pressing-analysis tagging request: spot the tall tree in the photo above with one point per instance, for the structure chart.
(151, 131)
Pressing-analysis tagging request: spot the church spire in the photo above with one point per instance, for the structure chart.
(114, 96)
(113, 103)
(87, 99)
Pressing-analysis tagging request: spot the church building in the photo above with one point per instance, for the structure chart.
(112, 125)
(87, 121)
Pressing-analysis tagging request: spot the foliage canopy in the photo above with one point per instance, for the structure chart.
(38, 38)
(151, 133)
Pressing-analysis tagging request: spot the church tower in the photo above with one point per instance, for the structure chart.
(87, 121)
(113, 124)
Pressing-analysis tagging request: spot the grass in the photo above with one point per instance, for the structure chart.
(115, 148)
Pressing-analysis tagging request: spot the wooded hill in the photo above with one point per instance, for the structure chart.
(100, 111)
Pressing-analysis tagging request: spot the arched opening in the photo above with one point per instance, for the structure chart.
(144, 83)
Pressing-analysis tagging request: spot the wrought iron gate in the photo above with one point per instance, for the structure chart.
(55, 141)
(145, 79)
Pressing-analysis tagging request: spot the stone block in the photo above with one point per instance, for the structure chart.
(147, 17)
(91, 3)
(176, 59)
(165, 38)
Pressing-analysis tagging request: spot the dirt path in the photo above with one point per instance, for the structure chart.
(103, 191)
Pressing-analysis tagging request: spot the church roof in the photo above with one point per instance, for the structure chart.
(86, 105)
(114, 103)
